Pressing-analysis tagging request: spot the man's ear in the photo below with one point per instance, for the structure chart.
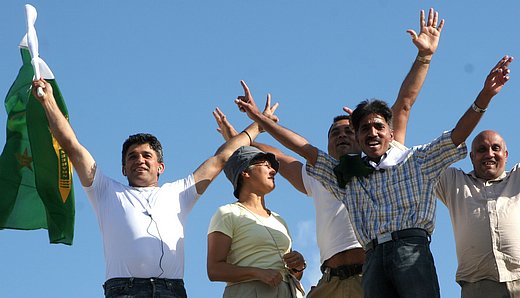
(161, 168)
(123, 170)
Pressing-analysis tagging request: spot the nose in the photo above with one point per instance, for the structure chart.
(489, 152)
(271, 170)
(341, 134)
(372, 131)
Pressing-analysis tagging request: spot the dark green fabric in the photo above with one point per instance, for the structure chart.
(351, 165)
(31, 167)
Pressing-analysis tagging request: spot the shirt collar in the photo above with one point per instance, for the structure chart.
(394, 156)
(499, 178)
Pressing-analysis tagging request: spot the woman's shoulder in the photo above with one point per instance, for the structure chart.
(229, 208)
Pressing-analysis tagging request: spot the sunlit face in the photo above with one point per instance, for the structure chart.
(374, 136)
(141, 166)
(488, 155)
(342, 139)
(259, 177)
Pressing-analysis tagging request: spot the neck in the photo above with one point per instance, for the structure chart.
(254, 203)
(155, 184)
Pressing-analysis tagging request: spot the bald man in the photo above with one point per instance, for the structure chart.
(484, 208)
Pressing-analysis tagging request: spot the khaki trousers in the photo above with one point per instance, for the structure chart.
(338, 288)
(488, 288)
(257, 289)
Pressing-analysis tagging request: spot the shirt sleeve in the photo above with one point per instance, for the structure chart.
(222, 221)
(442, 186)
(188, 196)
(323, 171)
(438, 155)
(99, 185)
(308, 182)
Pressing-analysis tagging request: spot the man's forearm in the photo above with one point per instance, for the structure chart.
(288, 138)
(244, 138)
(60, 126)
(470, 119)
(408, 93)
(62, 131)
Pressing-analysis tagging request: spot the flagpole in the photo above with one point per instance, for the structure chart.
(32, 44)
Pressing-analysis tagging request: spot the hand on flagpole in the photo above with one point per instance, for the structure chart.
(42, 90)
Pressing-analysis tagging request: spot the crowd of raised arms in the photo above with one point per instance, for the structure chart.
(375, 201)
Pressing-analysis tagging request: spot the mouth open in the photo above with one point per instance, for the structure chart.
(489, 163)
(373, 144)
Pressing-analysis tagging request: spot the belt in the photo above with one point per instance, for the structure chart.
(344, 271)
(391, 236)
(130, 281)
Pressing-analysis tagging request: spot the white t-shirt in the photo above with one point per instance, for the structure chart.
(334, 231)
(141, 225)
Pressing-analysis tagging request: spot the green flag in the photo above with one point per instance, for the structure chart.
(35, 173)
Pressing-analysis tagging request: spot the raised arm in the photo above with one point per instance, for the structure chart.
(81, 159)
(210, 168)
(290, 167)
(495, 80)
(426, 43)
(286, 137)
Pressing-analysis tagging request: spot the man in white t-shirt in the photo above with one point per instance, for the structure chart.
(142, 224)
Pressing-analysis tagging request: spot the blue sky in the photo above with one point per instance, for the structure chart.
(163, 66)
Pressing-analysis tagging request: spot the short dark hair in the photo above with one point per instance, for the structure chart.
(371, 106)
(143, 138)
(336, 119)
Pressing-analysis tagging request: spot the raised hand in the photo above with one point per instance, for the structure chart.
(45, 87)
(224, 127)
(247, 104)
(498, 76)
(428, 38)
(269, 110)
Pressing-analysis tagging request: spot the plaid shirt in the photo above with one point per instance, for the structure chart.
(396, 198)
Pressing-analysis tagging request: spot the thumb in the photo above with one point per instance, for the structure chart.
(412, 33)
